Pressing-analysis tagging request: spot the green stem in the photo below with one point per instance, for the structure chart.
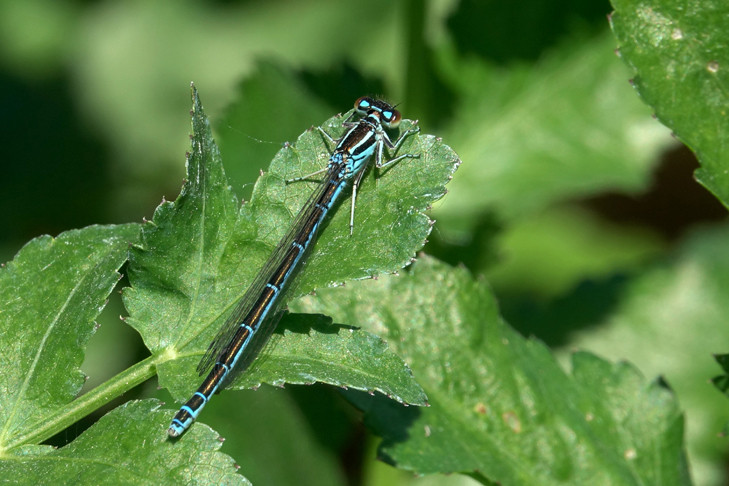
(418, 77)
(87, 403)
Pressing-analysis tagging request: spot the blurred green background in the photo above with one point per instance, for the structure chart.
(577, 206)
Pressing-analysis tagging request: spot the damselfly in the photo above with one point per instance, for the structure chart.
(255, 316)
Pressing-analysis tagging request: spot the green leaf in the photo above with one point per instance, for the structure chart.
(669, 320)
(126, 446)
(680, 59)
(501, 409)
(311, 349)
(50, 294)
(566, 127)
(200, 253)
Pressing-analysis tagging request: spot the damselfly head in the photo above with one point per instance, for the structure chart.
(389, 116)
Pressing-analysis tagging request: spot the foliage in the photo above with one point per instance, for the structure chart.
(552, 204)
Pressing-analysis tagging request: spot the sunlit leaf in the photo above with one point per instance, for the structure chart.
(501, 408)
(199, 254)
(680, 60)
(50, 294)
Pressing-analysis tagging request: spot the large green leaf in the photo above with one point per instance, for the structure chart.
(501, 409)
(568, 126)
(199, 254)
(311, 349)
(50, 294)
(126, 446)
(679, 56)
(670, 319)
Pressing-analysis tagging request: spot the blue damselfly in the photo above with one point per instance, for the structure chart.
(255, 316)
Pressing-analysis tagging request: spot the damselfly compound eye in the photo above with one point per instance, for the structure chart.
(391, 118)
(363, 104)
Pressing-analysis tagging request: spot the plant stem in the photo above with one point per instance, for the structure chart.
(87, 403)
